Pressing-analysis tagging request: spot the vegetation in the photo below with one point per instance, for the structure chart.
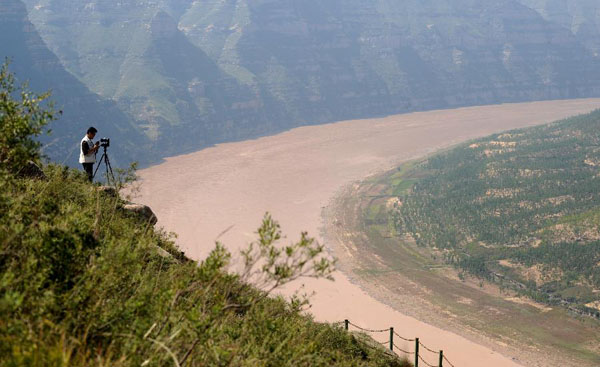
(520, 208)
(85, 283)
(22, 120)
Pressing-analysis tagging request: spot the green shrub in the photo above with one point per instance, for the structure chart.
(21, 120)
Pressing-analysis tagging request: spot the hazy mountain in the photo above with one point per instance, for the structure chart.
(32, 61)
(134, 53)
(197, 72)
(366, 57)
(581, 17)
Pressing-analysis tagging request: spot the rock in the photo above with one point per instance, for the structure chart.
(164, 253)
(107, 190)
(32, 170)
(142, 211)
(179, 256)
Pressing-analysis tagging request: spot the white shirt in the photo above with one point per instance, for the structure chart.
(90, 157)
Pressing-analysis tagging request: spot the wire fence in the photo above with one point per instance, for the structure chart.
(395, 350)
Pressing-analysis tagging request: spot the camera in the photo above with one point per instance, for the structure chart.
(105, 142)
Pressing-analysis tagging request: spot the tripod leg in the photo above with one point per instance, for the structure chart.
(109, 169)
(98, 166)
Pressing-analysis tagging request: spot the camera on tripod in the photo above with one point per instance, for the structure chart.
(105, 143)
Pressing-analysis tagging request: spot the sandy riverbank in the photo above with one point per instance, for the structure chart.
(295, 174)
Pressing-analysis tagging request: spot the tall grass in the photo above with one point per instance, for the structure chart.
(85, 283)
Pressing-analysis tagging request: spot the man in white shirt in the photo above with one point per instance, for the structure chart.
(87, 154)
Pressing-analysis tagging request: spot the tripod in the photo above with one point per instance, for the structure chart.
(109, 171)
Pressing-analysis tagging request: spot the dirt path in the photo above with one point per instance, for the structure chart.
(295, 174)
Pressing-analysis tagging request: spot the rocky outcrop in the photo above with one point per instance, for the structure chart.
(146, 214)
(142, 211)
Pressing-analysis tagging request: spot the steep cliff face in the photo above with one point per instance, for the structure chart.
(199, 72)
(186, 98)
(581, 17)
(359, 58)
(134, 53)
(32, 61)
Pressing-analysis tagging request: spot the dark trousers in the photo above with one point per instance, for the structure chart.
(89, 169)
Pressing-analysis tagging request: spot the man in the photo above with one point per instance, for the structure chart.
(87, 155)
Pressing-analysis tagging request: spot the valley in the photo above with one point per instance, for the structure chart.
(496, 235)
(190, 74)
(221, 193)
(421, 142)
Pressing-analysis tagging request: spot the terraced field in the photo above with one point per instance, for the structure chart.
(497, 237)
(521, 209)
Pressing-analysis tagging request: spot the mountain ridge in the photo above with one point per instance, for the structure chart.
(34, 63)
(267, 66)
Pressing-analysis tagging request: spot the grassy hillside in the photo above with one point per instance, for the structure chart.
(86, 282)
(520, 208)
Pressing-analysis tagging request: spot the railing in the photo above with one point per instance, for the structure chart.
(395, 349)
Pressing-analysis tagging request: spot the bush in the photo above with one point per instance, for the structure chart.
(21, 120)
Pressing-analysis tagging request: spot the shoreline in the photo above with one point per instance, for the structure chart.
(295, 174)
(354, 261)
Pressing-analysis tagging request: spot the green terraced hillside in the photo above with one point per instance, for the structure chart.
(521, 208)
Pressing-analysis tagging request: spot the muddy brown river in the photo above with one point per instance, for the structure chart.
(222, 193)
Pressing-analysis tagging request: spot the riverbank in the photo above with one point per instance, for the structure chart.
(221, 193)
(416, 280)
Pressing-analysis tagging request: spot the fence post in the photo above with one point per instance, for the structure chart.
(441, 358)
(392, 338)
(346, 322)
(416, 352)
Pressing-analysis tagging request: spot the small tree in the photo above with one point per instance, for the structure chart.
(22, 118)
(269, 265)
